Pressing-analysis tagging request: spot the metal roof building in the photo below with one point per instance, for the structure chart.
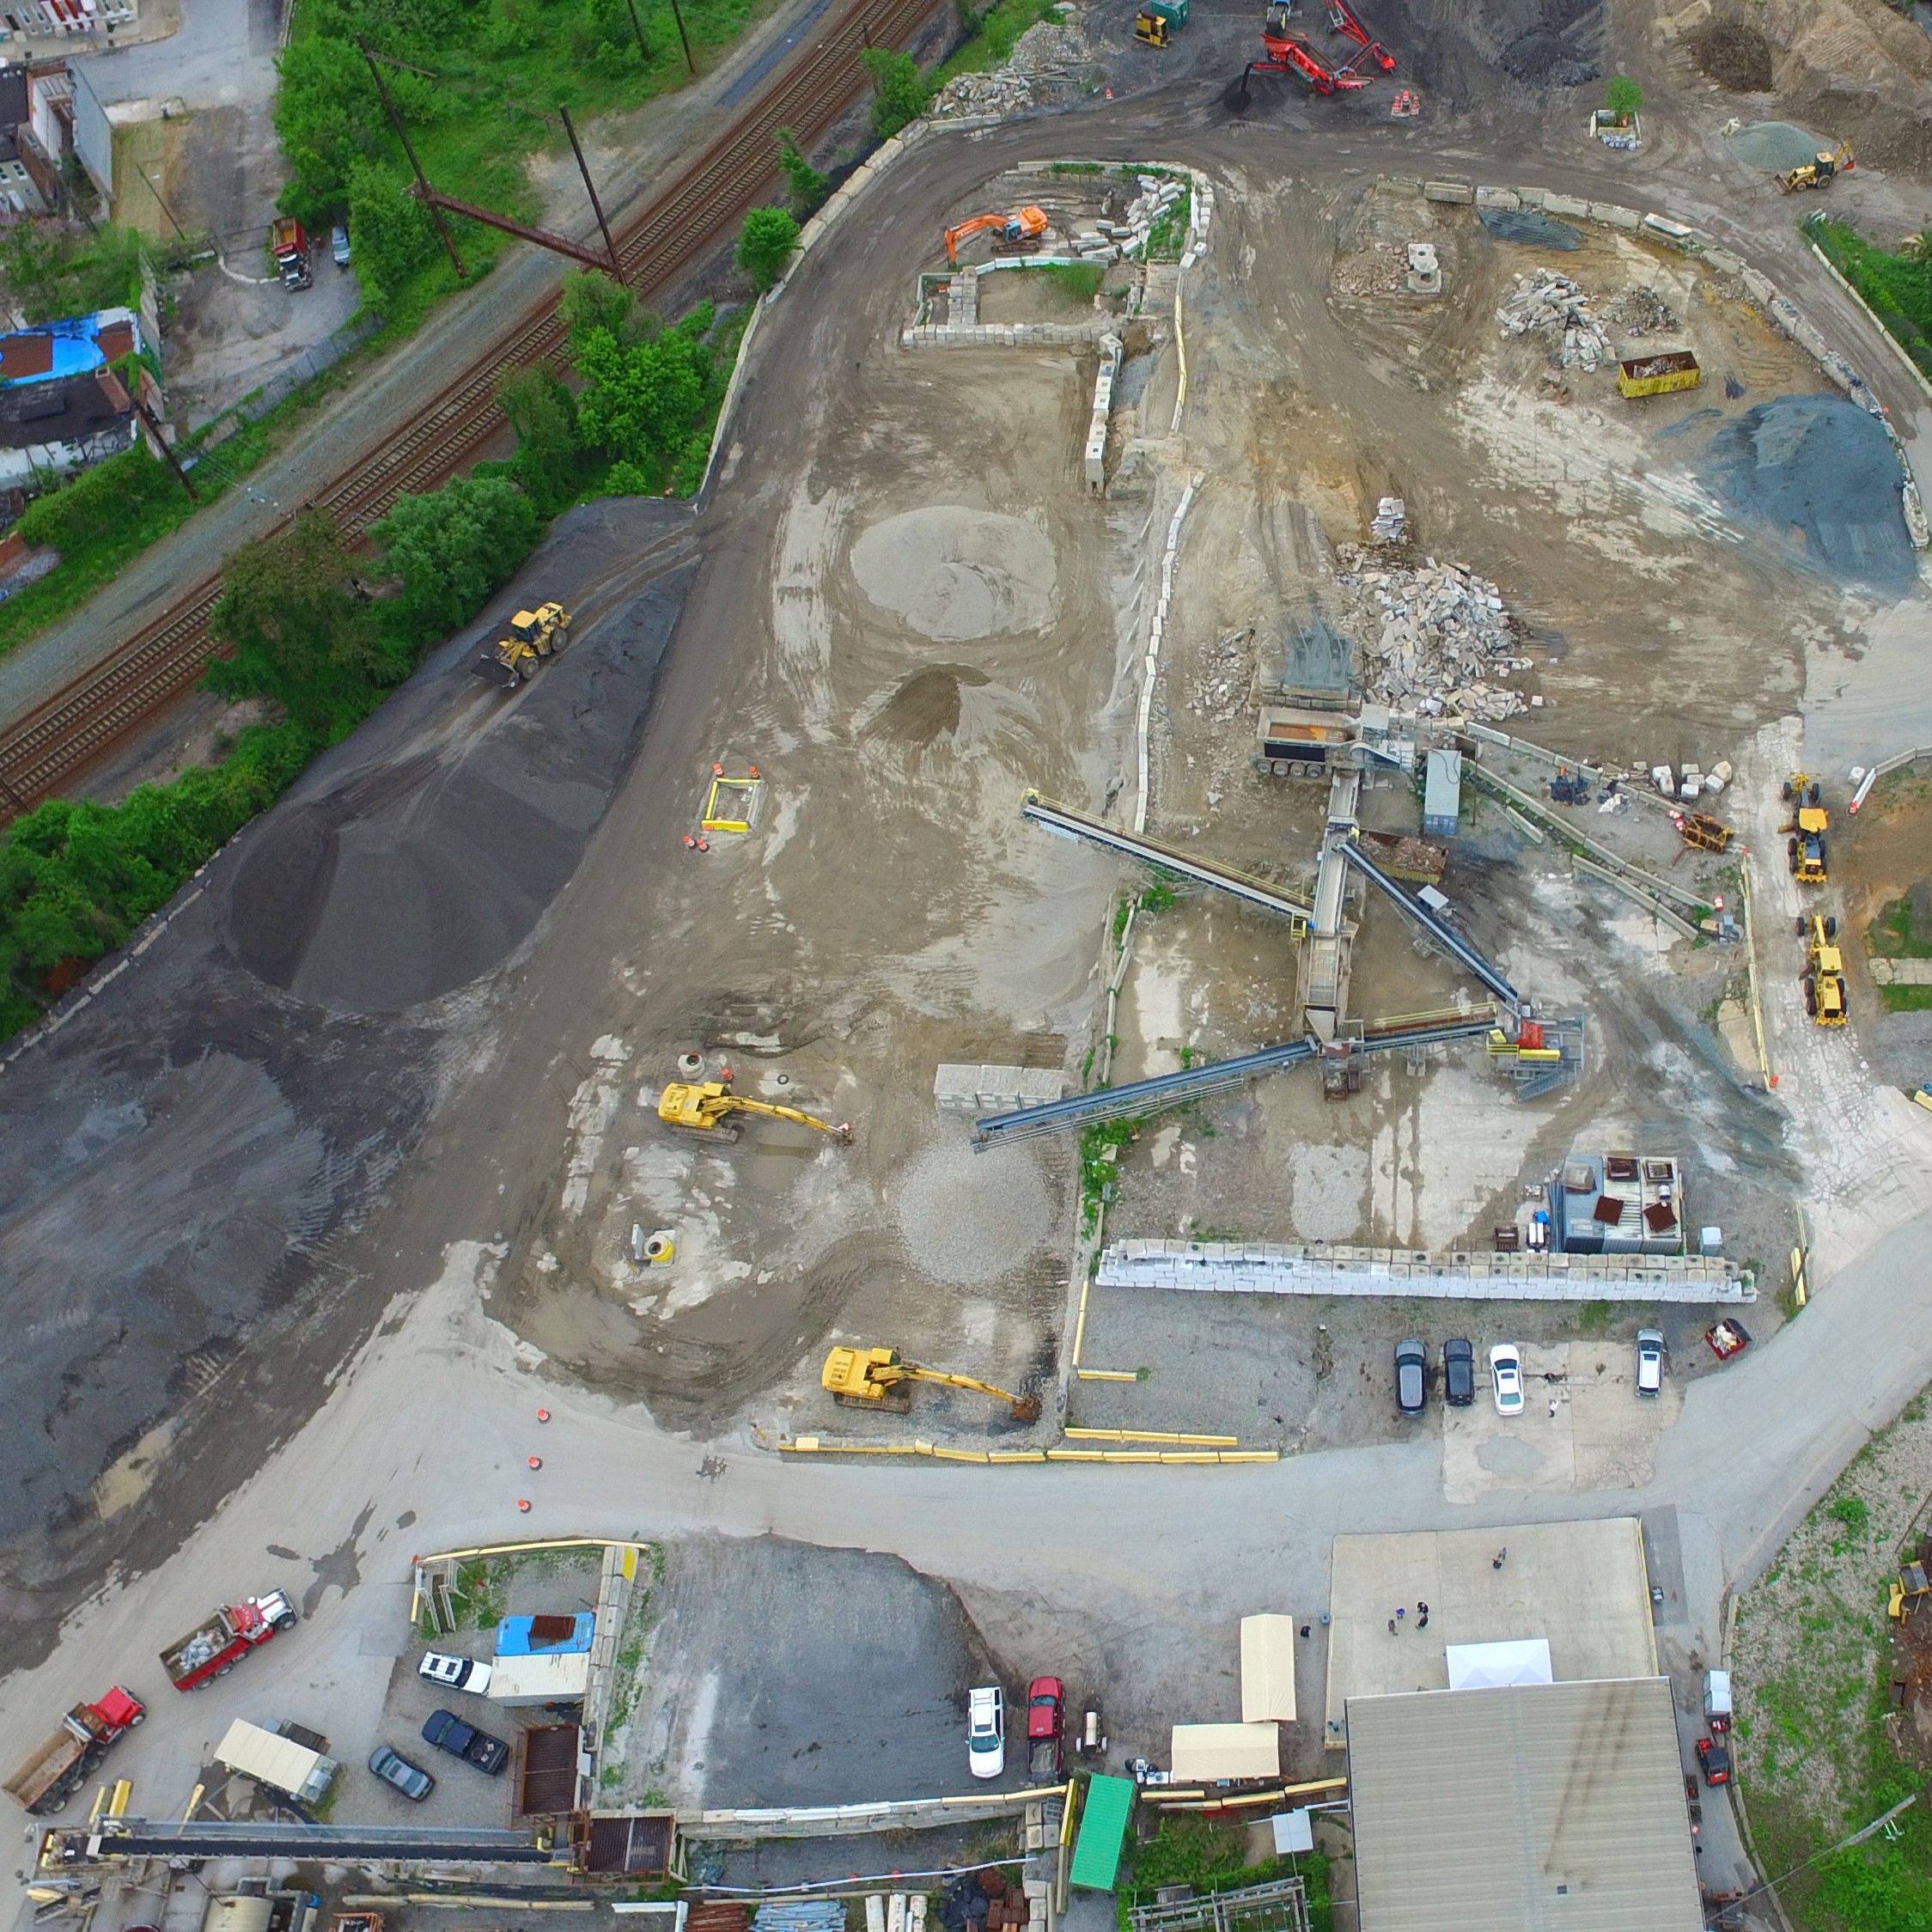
(1547, 1808)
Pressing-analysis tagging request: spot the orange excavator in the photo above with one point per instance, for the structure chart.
(1028, 224)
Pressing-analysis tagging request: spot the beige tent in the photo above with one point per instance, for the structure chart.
(1230, 1751)
(1267, 1670)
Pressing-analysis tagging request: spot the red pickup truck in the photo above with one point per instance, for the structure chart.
(1046, 1729)
(212, 1649)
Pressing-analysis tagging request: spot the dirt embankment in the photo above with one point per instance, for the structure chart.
(1853, 67)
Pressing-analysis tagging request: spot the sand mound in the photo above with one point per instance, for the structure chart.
(968, 1219)
(1822, 468)
(955, 574)
(409, 880)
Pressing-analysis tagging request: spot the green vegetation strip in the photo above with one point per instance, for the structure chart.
(77, 879)
(994, 34)
(1210, 1854)
(1820, 1750)
(1897, 286)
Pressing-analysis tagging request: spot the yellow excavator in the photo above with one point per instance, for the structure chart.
(706, 1107)
(1013, 231)
(1819, 170)
(877, 1379)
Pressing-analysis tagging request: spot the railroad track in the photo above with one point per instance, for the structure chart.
(62, 736)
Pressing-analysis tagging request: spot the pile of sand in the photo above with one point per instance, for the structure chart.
(955, 575)
(971, 1219)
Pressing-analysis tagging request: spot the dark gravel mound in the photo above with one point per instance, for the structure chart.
(1821, 468)
(407, 881)
(1530, 227)
(1734, 54)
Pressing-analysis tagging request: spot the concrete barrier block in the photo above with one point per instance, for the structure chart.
(1497, 198)
(1761, 288)
(1449, 190)
(1616, 217)
(1662, 224)
(1723, 260)
(1566, 204)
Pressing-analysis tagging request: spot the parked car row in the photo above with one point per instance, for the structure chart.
(444, 1730)
(1047, 1729)
(1506, 1373)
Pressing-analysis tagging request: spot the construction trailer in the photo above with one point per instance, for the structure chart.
(1441, 794)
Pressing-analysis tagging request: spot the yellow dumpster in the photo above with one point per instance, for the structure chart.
(1656, 375)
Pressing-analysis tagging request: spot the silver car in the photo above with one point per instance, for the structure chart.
(1649, 1361)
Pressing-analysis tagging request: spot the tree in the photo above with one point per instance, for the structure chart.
(330, 118)
(900, 90)
(644, 402)
(298, 634)
(807, 186)
(1622, 98)
(549, 462)
(765, 246)
(395, 234)
(591, 300)
(454, 546)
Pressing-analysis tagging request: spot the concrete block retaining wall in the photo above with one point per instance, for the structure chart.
(966, 1088)
(1228, 1268)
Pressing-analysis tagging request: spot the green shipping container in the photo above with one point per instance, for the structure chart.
(1174, 12)
(1103, 1825)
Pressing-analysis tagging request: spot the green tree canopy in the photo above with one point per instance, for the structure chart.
(330, 118)
(806, 184)
(549, 463)
(765, 246)
(452, 547)
(591, 300)
(899, 91)
(1622, 97)
(394, 231)
(645, 401)
(299, 634)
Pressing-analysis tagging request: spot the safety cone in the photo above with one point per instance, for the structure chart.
(523, 1505)
(543, 1415)
(536, 1462)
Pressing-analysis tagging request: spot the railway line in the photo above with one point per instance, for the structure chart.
(50, 745)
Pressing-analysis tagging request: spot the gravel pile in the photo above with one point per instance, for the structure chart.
(1543, 302)
(971, 1219)
(1776, 145)
(1434, 637)
(1822, 466)
(1640, 312)
(1530, 227)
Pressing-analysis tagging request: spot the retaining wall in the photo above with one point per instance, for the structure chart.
(1228, 1268)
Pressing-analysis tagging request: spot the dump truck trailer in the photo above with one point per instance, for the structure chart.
(58, 1768)
(214, 1648)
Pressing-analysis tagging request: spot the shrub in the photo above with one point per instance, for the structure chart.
(451, 548)
(807, 186)
(765, 246)
(900, 91)
(1622, 97)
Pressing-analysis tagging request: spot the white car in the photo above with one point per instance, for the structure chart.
(1506, 1371)
(986, 1731)
(1649, 1361)
(455, 1673)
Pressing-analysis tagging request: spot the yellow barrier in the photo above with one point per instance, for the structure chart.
(1150, 1435)
(813, 1445)
(719, 814)
(1107, 1374)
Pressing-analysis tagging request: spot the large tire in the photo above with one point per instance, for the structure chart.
(1786, 791)
(1831, 925)
(1791, 852)
(1804, 926)
(1811, 999)
(1817, 795)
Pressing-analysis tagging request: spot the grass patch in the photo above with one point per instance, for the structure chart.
(1897, 288)
(1099, 1149)
(1594, 1317)
(1077, 282)
(1168, 238)
(1906, 999)
(994, 34)
(1210, 1854)
(1903, 930)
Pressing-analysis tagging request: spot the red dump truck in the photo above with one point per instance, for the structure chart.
(54, 1772)
(213, 1648)
(289, 243)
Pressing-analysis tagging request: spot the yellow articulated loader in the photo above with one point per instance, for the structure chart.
(877, 1379)
(532, 636)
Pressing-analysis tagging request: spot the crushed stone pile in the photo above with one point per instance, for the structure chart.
(1052, 65)
(1435, 637)
(1220, 687)
(1126, 237)
(1640, 312)
(1543, 302)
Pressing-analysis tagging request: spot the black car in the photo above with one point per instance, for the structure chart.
(1411, 1377)
(1459, 1374)
(448, 1731)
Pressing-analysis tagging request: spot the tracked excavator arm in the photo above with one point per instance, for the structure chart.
(705, 1108)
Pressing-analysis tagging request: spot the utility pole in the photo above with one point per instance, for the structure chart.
(589, 188)
(678, 14)
(422, 179)
(162, 443)
(643, 51)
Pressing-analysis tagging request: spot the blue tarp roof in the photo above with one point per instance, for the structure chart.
(72, 347)
(514, 1639)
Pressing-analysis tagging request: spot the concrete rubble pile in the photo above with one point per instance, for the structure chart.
(1433, 637)
(1220, 688)
(1051, 66)
(1544, 302)
(1107, 241)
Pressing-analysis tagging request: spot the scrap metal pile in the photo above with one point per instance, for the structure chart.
(1543, 302)
(1433, 636)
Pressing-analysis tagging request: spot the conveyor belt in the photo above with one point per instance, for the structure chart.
(141, 1838)
(1439, 930)
(1151, 851)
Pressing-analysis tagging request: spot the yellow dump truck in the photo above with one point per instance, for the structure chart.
(1657, 376)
